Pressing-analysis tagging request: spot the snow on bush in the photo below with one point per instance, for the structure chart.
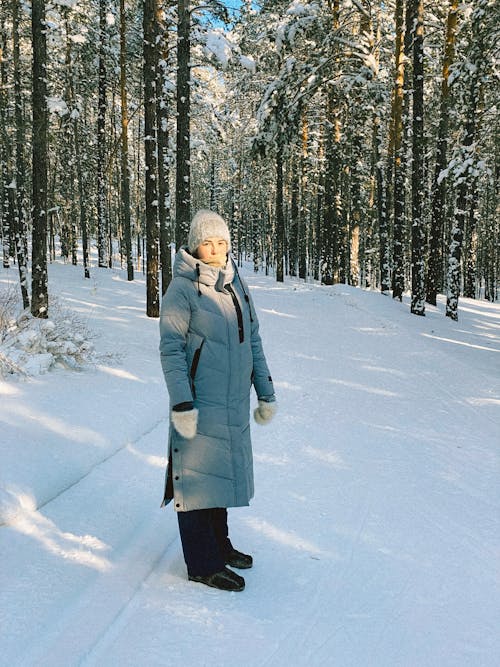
(30, 346)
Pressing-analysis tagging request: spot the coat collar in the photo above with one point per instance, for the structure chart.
(187, 266)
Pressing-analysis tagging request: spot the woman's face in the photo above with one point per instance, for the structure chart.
(213, 251)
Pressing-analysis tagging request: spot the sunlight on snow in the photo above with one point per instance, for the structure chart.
(77, 548)
(483, 401)
(23, 500)
(480, 309)
(119, 373)
(308, 357)
(8, 390)
(287, 385)
(332, 458)
(70, 432)
(362, 387)
(155, 461)
(136, 309)
(276, 312)
(381, 369)
(459, 342)
(283, 537)
(273, 460)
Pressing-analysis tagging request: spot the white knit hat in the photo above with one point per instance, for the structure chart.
(207, 224)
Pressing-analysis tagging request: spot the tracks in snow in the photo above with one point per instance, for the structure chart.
(118, 500)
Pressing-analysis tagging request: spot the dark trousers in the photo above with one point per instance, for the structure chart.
(205, 541)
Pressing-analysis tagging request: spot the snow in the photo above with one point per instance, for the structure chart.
(57, 105)
(31, 346)
(217, 45)
(375, 525)
(78, 39)
(247, 62)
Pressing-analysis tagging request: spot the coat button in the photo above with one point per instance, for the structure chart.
(177, 504)
(177, 477)
(176, 450)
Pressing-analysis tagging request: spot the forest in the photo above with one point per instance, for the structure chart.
(345, 141)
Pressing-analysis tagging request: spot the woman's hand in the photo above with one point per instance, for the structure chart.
(185, 422)
(265, 411)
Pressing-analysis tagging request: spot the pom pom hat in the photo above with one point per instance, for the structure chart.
(205, 225)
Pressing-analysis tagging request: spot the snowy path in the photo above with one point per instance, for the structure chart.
(375, 527)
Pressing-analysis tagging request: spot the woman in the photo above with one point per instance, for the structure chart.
(211, 354)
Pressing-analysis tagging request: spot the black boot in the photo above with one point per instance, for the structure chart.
(237, 559)
(225, 580)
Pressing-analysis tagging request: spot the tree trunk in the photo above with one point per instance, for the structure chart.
(162, 110)
(293, 241)
(329, 232)
(471, 245)
(125, 170)
(20, 169)
(435, 270)
(81, 196)
(457, 232)
(280, 217)
(383, 190)
(69, 156)
(101, 140)
(302, 231)
(417, 177)
(183, 168)
(399, 162)
(152, 229)
(5, 157)
(39, 285)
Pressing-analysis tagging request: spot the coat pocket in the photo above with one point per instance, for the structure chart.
(194, 365)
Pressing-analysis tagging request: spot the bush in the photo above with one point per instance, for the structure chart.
(30, 346)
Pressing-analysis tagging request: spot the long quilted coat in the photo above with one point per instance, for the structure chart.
(211, 353)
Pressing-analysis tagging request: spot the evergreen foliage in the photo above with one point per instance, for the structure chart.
(341, 143)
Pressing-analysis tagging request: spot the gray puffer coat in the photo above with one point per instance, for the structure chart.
(211, 353)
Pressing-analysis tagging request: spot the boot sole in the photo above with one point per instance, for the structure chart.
(219, 588)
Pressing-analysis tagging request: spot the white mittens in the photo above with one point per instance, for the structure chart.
(185, 422)
(264, 412)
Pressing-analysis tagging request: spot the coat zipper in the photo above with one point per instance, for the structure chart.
(239, 314)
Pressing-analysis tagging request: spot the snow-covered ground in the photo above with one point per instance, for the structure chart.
(375, 528)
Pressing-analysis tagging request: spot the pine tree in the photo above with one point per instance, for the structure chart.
(152, 227)
(435, 270)
(39, 283)
(417, 176)
(125, 171)
(5, 152)
(162, 116)
(102, 219)
(20, 164)
(398, 153)
(183, 135)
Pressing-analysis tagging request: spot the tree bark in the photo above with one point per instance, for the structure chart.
(183, 163)
(417, 176)
(438, 205)
(5, 157)
(399, 162)
(125, 169)
(293, 240)
(102, 221)
(280, 217)
(162, 111)
(20, 167)
(152, 228)
(302, 231)
(39, 283)
(457, 232)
